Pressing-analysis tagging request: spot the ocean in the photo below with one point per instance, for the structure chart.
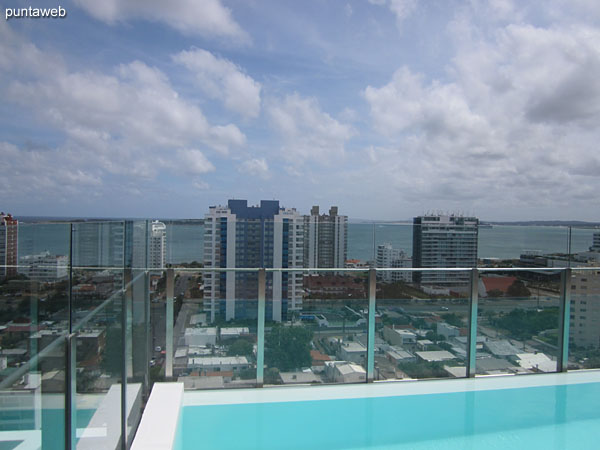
(185, 241)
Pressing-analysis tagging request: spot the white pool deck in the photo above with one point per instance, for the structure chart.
(159, 423)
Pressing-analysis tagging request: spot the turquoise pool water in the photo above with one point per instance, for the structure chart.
(545, 417)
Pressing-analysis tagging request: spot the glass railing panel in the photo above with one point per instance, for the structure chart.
(101, 244)
(43, 251)
(184, 242)
(584, 246)
(523, 246)
(158, 325)
(138, 346)
(99, 362)
(322, 334)
(421, 325)
(518, 322)
(32, 395)
(393, 246)
(215, 329)
(361, 246)
(584, 326)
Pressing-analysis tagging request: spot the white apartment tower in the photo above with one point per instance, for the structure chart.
(157, 244)
(326, 239)
(444, 241)
(584, 329)
(265, 236)
(390, 257)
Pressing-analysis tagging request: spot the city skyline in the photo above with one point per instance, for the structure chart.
(387, 108)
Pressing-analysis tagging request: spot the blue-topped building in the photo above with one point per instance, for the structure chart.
(242, 236)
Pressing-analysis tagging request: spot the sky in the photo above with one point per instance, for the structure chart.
(386, 108)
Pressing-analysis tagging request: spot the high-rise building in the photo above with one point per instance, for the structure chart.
(325, 239)
(390, 257)
(239, 236)
(444, 241)
(157, 245)
(595, 243)
(584, 329)
(9, 245)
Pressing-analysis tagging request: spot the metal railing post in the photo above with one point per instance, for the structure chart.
(147, 333)
(472, 338)
(126, 302)
(562, 362)
(371, 330)
(70, 391)
(260, 344)
(170, 294)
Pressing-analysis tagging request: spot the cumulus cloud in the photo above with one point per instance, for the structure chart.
(257, 167)
(220, 78)
(516, 112)
(308, 133)
(206, 18)
(128, 122)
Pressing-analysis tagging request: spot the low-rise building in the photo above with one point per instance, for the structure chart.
(397, 336)
(218, 363)
(447, 330)
(353, 351)
(44, 267)
(231, 333)
(344, 372)
(436, 356)
(299, 377)
(397, 356)
(537, 362)
(500, 348)
(200, 336)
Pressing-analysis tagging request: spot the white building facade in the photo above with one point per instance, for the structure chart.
(390, 257)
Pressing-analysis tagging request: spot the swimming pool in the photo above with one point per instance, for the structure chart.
(557, 411)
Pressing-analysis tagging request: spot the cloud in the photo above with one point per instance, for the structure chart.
(222, 79)
(206, 18)
(125, 125)
(512, 123)
(257, 167)
(307, 132)
(402, 9)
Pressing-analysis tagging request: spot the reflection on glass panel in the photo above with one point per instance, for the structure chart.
(32, 394)
(99, 362)
(584, 327)
(184, 243)
(518, 324)
(323, 338)
(523, 246)
(214, 332)
(421, 326)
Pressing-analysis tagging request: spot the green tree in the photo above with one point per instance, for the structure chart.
(453, 319)
(518, 289)
(240, 347)
(288, 348)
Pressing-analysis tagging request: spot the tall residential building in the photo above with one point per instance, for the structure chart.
(157, 245)
(390, 257)
(444, 241)
(595, 243)
(9, 245)
(325, 239)
(239, 236)
(584, 329)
